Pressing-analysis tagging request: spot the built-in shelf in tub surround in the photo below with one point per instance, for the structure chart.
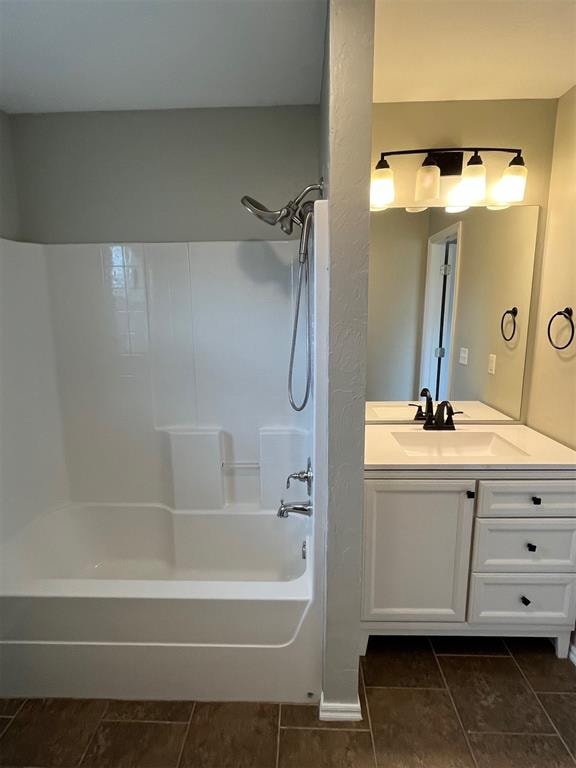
(385, 411)
(206, 474)
(473, 446)
(196, 459)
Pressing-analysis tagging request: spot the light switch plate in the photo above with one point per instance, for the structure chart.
(492, 364)
(463, 359)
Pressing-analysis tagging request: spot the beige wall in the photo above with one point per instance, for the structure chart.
(552, 381)
(495, 273)
(397, 276)
(9, 213)
(173, 175)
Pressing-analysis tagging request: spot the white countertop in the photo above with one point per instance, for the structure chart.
(387, 411)
(529, 450)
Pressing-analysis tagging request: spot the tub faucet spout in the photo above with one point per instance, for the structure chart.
(297, 507)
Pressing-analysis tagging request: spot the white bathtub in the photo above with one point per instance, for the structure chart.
(198, 593)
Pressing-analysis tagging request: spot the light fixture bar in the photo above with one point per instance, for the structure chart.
(432, 150)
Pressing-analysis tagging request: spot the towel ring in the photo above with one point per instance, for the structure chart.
(513, 314)
(566, 313)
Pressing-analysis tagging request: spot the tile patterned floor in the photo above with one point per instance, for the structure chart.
(440, 703)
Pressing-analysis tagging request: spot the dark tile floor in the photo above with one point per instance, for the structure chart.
(440, 703)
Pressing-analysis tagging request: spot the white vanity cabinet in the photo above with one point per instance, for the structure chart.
(469, 556)
(417, 549)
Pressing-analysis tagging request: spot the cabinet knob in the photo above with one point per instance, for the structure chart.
(471, 494)
(524, 600)
(531, 547)
(536, 500)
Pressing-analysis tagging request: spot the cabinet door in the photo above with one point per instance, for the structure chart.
(417, 541)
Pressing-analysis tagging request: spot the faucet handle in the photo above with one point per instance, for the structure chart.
(419, 415)
(445, 407)
(304, 476)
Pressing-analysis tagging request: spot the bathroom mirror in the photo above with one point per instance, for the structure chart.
(449, 304)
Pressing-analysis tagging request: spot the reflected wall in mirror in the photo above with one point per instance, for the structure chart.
(440, 285)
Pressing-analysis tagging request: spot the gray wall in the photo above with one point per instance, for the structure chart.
(9, 213)
(174, 175)
(347, 138)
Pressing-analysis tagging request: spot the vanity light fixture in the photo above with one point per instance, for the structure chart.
(427, 181)
(382, 191)
(469, 190)
(512, 185)
(473, 182)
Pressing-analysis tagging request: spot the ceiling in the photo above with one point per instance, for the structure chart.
(76, 55)
(433, 50)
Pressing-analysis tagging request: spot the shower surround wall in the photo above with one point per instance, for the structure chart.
(33, 475)
(127, 371)
(154, 339)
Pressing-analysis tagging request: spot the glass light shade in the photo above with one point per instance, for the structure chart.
(382, 191)
(512, 185)
(416, 209)
(473, 183)
(457, 201)
(497, 207)
(427, 184)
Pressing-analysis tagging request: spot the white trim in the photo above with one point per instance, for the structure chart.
(432, 310)
(572, 654)
(339, 711)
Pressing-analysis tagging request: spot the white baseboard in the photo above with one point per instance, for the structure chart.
(337, 710)
(572, 654)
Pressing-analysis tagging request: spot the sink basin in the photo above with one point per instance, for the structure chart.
(456, 444)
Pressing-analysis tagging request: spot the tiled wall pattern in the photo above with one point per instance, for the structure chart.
(124, 279)
(155, 336)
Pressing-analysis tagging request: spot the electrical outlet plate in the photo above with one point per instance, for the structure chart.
(492, 364)
(463, 359)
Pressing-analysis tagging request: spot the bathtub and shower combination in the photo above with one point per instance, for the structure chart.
(99, 592)
(122, 600)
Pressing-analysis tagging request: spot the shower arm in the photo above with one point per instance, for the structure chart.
(300, 214)
(307, 190)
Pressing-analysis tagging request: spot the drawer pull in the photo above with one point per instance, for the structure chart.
(524, 600)
(536, 500)
(531, 547)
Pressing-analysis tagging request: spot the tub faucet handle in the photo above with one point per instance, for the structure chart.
(304, 476)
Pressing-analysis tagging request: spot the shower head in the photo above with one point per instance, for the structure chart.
(259, 210)
(287, 216)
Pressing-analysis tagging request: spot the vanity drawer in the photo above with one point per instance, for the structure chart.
(525, 545)
(522, 599)
(525, 498)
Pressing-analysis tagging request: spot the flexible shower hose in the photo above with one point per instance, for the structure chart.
(303, 277)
